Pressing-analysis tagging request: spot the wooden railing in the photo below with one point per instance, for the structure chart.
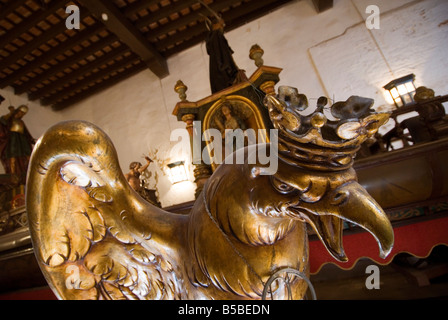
(430, 124)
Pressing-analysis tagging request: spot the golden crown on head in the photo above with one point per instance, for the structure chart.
(316, 142)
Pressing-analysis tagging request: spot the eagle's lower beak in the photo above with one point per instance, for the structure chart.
(352, 203)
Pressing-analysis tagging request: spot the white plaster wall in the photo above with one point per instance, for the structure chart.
(331, 53)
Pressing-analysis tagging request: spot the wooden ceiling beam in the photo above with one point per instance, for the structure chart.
(91, 79)
(164, 13)
(67, 63)
(10, 7)
(72, 76)
(48, 56)
(185, 20)
(182, 36)
(322, 5)
(237, 17)
(46, 36)
(99, 87)
(133, 8)
(254, 10)
(32, 45)
(185, 45)
(118, 24)
(31, 22)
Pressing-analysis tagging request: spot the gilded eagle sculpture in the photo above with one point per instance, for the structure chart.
(94, 237)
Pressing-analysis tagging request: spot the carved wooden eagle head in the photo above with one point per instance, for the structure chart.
(315, 172)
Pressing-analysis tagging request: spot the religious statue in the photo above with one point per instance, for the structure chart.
(16, 142)
(136, 169)
(96, 239)
(222, 68)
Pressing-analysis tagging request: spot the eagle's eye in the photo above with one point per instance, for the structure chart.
(281, 186)
(340, 197)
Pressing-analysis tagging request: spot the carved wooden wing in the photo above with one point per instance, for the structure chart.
(89, 229)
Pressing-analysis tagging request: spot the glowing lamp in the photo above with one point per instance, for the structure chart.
(177, 172)
(402, 90)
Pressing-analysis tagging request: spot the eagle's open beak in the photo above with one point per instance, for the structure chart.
(352, 203)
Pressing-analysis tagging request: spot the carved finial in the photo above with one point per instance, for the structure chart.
(181, 89)
(256, 54)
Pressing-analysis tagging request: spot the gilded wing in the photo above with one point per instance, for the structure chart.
(93, 236)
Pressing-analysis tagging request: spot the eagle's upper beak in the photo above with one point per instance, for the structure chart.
(352, 203)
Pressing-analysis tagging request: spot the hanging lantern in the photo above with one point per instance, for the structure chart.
(402, 90)
(177, 172)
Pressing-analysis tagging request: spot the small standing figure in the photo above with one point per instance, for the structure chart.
(133, 176)
(16, 142)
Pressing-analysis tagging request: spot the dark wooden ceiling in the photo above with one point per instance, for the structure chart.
(41, 57)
